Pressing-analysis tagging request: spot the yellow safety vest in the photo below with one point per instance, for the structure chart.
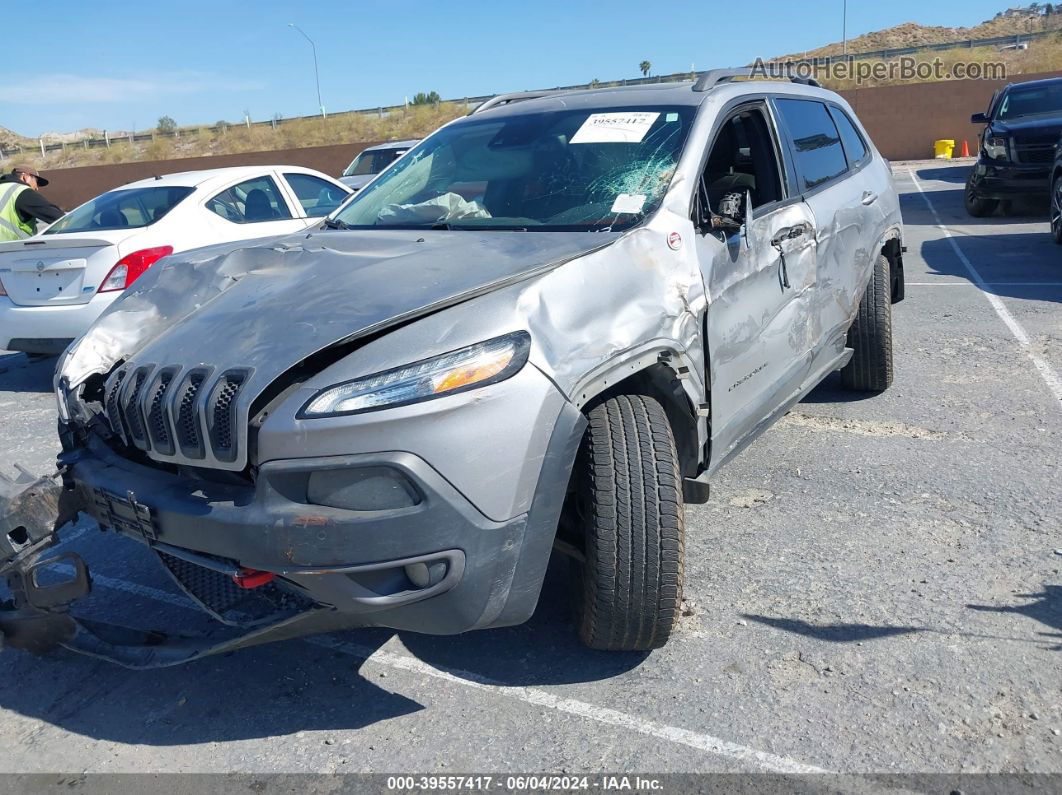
(12, 227)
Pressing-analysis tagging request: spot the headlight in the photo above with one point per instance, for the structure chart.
(458, 371)
(996, 148)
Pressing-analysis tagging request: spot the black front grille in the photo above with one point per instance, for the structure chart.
(169, 413)
(1035, 153)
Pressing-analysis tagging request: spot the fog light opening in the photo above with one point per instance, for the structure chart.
(425, 575)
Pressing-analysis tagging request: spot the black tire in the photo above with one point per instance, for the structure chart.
(1056, 210)
(870, 335)
(628, 500)
(977, 206)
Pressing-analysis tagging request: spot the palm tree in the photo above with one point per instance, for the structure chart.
(645, 66)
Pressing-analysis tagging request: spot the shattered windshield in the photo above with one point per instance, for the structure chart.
(567, 169)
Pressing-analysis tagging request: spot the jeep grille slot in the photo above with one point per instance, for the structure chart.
(133, 415)
(158, 421)
(221, 414)
(113, 409)
(189, 438)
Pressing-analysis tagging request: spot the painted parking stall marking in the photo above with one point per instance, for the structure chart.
(540, 698)
(1043, 367)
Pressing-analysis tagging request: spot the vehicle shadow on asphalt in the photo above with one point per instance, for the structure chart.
(19, 373)
(294, 686)
(1003, 262)
(831, 390)
(952, 173)
(949, 203)
(1046, 608)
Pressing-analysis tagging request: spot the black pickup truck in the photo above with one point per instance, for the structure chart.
(1018, 145)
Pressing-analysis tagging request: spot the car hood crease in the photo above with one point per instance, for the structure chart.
(268, 307)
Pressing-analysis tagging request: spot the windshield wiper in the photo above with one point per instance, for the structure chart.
(335, 223)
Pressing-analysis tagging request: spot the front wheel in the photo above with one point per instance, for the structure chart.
(870, 335)
(628, 506)
(977, 206)
(1056, 210)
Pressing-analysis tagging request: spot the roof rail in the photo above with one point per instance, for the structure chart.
(711, 78)
(514, 96)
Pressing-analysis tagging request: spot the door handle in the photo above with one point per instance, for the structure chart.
(789, 233)
(869, 197)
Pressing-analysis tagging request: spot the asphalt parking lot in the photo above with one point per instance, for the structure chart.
(875, 586)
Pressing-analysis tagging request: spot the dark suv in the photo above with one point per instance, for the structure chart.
(1024, 121)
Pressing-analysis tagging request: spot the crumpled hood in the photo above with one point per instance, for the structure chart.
(265, 308)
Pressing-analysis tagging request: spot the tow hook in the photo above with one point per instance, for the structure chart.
(253, 578)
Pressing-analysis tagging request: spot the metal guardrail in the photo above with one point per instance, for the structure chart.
(384, 111)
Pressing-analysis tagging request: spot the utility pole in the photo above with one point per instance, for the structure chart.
(316, 76)
(844, 25)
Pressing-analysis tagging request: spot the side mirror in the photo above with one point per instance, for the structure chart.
(979, 118)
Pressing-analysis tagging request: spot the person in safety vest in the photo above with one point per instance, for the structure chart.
(21, 206)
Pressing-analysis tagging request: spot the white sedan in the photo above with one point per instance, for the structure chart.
(55, 284)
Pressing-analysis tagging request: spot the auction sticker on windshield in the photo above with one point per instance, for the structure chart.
(628, 203)
(614, 128)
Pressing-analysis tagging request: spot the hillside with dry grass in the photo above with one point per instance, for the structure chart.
(412, 122)
(1043, 55)
(10, 139)
(911, 34)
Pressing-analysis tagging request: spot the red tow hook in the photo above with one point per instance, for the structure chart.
(252, 578)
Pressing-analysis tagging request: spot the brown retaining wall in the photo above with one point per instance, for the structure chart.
(903, 120)
(70, 187)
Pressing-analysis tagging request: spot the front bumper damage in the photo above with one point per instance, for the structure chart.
(34, 512)
(266, 565)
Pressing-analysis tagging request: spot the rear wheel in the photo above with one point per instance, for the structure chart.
(870, 335)
(977, 206)
(627, 500)
(1056, 210)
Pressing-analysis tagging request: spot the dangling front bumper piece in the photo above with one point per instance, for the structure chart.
(33, 513)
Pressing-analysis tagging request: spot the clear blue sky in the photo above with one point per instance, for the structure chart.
(117, 64)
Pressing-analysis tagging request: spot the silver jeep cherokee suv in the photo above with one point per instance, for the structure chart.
(543, 329)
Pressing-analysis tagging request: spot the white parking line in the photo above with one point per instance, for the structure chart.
(1047, 373)
(529, 695)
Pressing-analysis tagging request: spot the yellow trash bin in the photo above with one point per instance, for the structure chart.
(943, 148)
